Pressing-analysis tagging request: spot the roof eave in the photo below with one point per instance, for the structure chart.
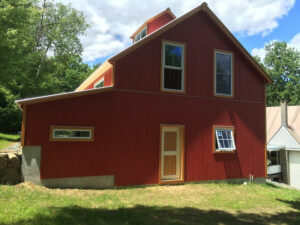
(61, 96)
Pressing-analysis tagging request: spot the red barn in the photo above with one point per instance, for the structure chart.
(185, 102)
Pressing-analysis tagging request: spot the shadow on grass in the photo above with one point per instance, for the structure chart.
(154, 215)
(292, 204)
(10, 139)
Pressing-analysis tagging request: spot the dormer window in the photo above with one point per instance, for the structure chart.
(141, 34)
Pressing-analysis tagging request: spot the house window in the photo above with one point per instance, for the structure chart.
(141, 34)
(99, 84)
(70, 133)
(223, 77)
(273, 158)
(224, 139)
(173, 67)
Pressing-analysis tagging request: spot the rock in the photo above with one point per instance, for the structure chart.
(10, 176)
(3, 162)
(13, 161)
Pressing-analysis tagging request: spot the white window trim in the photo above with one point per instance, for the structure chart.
(139, 34)
(60, 129)
(102, 80)
(215, 74)
(232, 137)
(173, 67)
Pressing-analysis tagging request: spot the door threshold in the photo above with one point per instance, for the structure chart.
(177, 181)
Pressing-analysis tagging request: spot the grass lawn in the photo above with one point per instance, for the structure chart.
(190, 204)
(8, 139)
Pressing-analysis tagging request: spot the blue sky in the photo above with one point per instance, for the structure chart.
(288, 27)
(253, 22)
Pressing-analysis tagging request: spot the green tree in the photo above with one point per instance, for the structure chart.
(282, 63)
(40, 51)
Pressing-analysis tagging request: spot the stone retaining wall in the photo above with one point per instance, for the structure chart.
(10, 168)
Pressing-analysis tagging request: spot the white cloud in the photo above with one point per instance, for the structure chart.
(115, 20)
(294, 42)
(259, 52)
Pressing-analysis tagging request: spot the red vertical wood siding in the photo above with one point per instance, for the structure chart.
(127, 121)
(159, 22)
(127, 136)
(108, 79)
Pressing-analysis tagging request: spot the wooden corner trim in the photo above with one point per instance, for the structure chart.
(214, 151)
(214, 73)
(23, 128)
(52, 139)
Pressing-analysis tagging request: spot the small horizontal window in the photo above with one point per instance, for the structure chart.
(224, 139)
(61, 133)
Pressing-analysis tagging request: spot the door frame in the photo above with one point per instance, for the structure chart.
(182, 153)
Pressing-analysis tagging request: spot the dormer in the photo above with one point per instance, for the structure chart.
(153, 24)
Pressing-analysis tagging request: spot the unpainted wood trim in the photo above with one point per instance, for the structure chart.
(214, 139)
(98, 73)
(71, 139)
(182, 156)
(162, 67)
(23, 128)
(214, 73)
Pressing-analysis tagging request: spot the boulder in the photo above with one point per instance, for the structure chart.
(10, 176)
(3, 162)
(13, 161)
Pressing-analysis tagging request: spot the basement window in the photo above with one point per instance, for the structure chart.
(70, 133)
(141, 34)
(99, 84)
(223, 77)
(173, 67)
(224, 139)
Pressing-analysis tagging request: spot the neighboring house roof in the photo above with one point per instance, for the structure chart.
(273, 115)
(284, 138)
(168, 11)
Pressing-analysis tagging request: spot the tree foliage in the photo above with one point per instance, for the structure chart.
(40, 51)
(282, 63)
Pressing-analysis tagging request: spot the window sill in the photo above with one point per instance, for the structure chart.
(223, 96)
(173, 91)
(224, 151)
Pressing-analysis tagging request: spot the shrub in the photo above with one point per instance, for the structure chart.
(10, 114)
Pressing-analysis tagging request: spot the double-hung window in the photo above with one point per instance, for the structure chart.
(223, 77)
(224, 139)
(173, 67)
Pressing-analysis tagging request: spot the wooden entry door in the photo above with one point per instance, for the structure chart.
(171, 153)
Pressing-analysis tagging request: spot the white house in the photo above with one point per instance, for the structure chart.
(283, 137)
